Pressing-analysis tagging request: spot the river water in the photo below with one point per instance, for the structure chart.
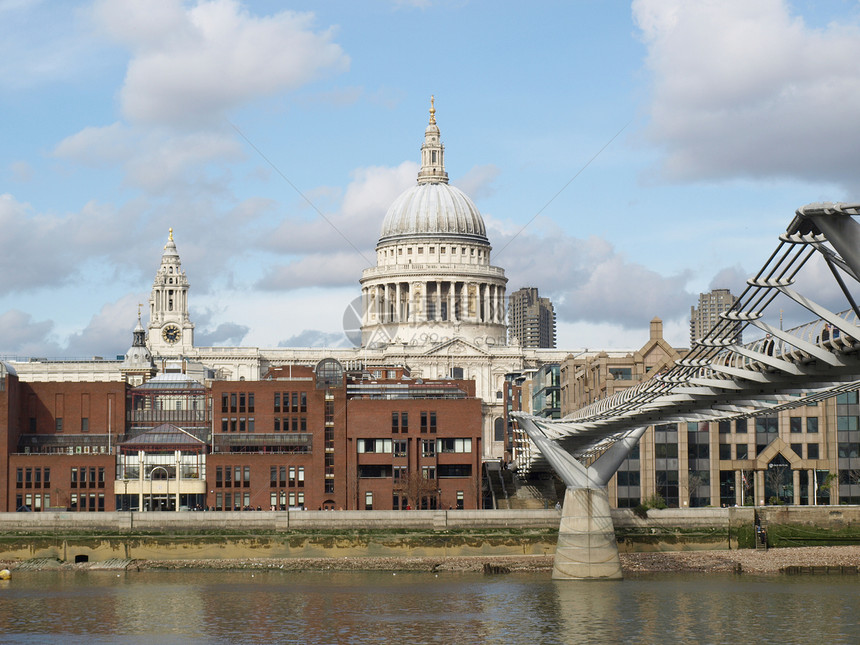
(413, 608)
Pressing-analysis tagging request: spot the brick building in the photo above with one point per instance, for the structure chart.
(318, 438)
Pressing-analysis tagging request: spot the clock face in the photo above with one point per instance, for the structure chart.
(171, 334)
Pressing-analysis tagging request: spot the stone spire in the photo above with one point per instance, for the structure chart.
(171, 331)
(139, 331)
(432, 153)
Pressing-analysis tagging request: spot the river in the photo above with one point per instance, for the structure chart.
(413, 608)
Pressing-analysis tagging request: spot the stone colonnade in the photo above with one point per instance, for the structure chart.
(434, 300)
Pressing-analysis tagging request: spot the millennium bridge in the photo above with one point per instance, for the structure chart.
(719, 379)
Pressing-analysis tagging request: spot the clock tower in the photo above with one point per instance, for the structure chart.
(171, 332)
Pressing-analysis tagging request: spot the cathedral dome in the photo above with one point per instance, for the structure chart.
(432, 208)
(435, 210)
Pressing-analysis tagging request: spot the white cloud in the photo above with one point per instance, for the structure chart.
(26, 337)
(47, 249)
(318, 270)
(356, 224)
(588, 280)
(21, 171)
(478, 182)
(194, 64)
(747, 89)
(109, 332)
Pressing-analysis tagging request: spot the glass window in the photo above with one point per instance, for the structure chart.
(812, 424)
(796, 424)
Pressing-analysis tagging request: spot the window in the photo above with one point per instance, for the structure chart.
(812, 451)
(796, 424)
(432, 422)
(741, 425)
(85, 425)
(58, 425)
(400, 448)
(428, 448)
(725, 451)
(277, 402)
(454, 445)
(423, 422)
(404, 422)
(374, 445)
(395, 422)
(301, 478)
(742, 451)
(812, 424)
(368, 501)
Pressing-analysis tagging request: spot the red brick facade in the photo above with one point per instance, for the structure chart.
(294, 439)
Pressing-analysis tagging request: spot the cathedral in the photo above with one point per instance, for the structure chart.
(434, 304)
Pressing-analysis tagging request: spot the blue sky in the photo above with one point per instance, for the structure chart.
(624, 156)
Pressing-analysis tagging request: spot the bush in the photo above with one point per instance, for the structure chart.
(655, 501)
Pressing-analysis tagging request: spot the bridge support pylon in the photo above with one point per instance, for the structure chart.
(586, 548)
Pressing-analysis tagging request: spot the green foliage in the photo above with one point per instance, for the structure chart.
(655, 501)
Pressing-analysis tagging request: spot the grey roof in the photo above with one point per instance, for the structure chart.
(166, 434)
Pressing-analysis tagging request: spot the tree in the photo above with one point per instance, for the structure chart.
(414, 486)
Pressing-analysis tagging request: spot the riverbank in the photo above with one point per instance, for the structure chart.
(747, 561)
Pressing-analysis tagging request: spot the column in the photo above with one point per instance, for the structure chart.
(178, 477)
(437, 314)
(486, 300)
(758, 489)
(739, 488)
(452, 310)
(398, 311)
(795, 480)
(140, 480)
(813, 498)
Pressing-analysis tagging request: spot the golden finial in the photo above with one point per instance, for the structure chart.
(432, 111)
(139, 305)
(170, 237)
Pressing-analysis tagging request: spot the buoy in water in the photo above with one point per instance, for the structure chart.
(5, 574)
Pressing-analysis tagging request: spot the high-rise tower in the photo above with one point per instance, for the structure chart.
(707, 315)
(531, 319)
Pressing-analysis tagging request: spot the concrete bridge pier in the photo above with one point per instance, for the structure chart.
(586, 548)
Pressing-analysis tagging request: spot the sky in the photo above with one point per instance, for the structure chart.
(625, 157)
